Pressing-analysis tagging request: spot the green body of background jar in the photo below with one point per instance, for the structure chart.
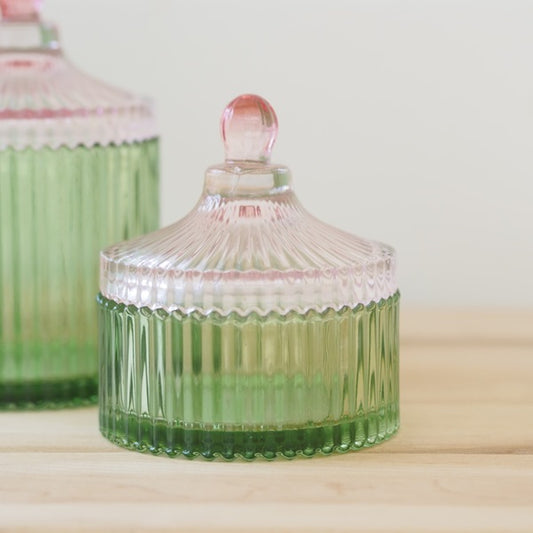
(58, 208)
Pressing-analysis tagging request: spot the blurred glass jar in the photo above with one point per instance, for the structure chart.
(78, 171)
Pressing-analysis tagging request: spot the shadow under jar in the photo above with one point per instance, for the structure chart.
(248, 328)
(78, 171)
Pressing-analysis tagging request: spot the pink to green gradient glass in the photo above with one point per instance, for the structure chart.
(78, 171)
(248, 328)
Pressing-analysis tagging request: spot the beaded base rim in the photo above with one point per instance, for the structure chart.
(363, 432)
(55, 394)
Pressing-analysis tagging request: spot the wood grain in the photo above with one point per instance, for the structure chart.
(462, 461)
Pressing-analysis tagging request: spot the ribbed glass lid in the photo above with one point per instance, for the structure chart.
(248, 245)
(45, 101)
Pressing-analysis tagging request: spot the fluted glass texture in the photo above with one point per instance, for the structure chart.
(248, 386)
(58, 208)
(248, 327)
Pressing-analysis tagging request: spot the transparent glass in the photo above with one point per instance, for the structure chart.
(248, 328)
(78, 171)
(227, 386)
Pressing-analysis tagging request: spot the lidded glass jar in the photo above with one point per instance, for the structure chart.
(78, 171)
(248, 328)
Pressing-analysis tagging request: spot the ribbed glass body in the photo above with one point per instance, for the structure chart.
(58, 208)
(248, 386)
(248, 327)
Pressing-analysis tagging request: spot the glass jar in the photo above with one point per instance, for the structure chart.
(78, 171)
(248, 328)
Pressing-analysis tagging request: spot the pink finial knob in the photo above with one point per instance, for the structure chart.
(249, 129)
(20, 9)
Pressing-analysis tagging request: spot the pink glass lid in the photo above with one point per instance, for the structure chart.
(46, 101)
(248, 245)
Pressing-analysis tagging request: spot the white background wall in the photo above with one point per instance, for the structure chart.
(407, 121)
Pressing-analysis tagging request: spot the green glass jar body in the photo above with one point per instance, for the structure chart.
(58, 208)
(248, 386)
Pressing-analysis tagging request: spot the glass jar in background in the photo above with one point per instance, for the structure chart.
(78, 171)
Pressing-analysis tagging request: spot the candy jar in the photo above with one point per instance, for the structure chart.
(248, 328)
(78, 171)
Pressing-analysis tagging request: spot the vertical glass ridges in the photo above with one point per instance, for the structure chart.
(248, 328)
(226, 386)
(58, 207)
(78, 171)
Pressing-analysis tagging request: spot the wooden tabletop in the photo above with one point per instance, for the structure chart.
(462, 461)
